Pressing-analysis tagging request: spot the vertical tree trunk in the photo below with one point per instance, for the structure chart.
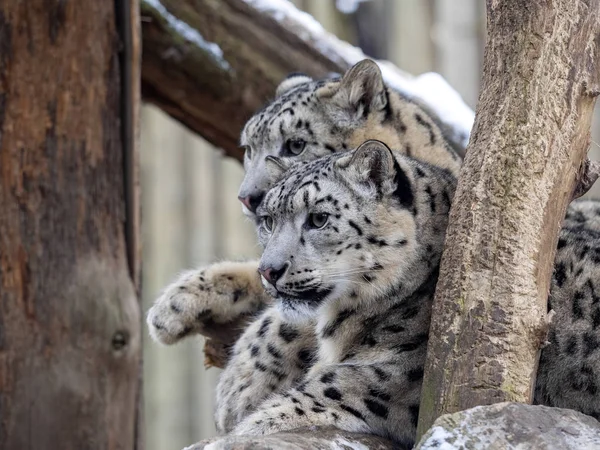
(531, 134)
(69, 317)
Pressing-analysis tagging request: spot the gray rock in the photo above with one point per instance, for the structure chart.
(507, 426)
(503, 426)
(301, 439)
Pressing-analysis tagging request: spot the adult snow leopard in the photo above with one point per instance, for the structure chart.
(313, 118)
(352, 244)
(225, 291)
(308, 119)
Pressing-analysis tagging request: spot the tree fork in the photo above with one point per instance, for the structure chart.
(524, 162)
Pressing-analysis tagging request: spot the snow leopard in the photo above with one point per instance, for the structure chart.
(313, 118)
(307, 119)
(352, 244)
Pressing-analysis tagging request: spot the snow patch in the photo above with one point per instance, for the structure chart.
(348, 6)
(430, 88)
(438, 439)
(282, 10)
(449, 106)
(190, 34)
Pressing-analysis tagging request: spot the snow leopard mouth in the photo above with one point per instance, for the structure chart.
(311, 297)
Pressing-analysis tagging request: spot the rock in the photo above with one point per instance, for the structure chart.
(301, 439)
(506, 426)
(503, 426)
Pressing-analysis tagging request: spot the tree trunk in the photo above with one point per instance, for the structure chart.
(69, 319)
(526, 154)
(212, 64)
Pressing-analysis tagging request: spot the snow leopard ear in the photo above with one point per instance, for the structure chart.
(374, 164)
(276, 167)
(291, 81)
(361, 90)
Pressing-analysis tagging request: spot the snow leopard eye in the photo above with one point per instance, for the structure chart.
(294, 146)
(247, 151)
(318, 220)
(267, 222)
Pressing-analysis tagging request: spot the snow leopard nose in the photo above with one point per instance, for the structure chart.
(252, 201)
(272, 274)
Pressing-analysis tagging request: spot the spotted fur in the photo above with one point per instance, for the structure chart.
(355, 300)
(321, 355)
(568, 374)
(201, 299)
(569, 370)
(344, 344)
(314, 118)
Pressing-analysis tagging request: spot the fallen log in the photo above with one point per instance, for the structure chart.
(212, 64)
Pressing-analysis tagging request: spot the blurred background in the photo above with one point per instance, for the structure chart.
(191, 215)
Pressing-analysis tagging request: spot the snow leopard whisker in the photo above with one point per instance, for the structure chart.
(346, 272)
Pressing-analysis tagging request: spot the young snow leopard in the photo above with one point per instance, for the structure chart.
(352, 244)
(307, 120)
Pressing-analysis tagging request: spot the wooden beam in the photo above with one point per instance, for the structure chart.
(70, 349)
(212, 64)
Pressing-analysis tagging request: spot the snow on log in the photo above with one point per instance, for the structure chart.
(211, 65)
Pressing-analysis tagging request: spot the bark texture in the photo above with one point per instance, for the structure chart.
(214, 88)
(527, 150)
(211, 64)
(69, 317)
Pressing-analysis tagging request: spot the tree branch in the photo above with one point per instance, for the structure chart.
(212, 64)
(589, 173)
(528, 144)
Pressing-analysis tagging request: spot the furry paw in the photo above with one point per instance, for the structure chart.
(200, 299)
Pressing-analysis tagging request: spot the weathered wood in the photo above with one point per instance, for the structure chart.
(215, 87)
(220, 339)
(211, 64)
(69, 317)
(532, 129)
(131, 69)
(588, 175)
(130, 32)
